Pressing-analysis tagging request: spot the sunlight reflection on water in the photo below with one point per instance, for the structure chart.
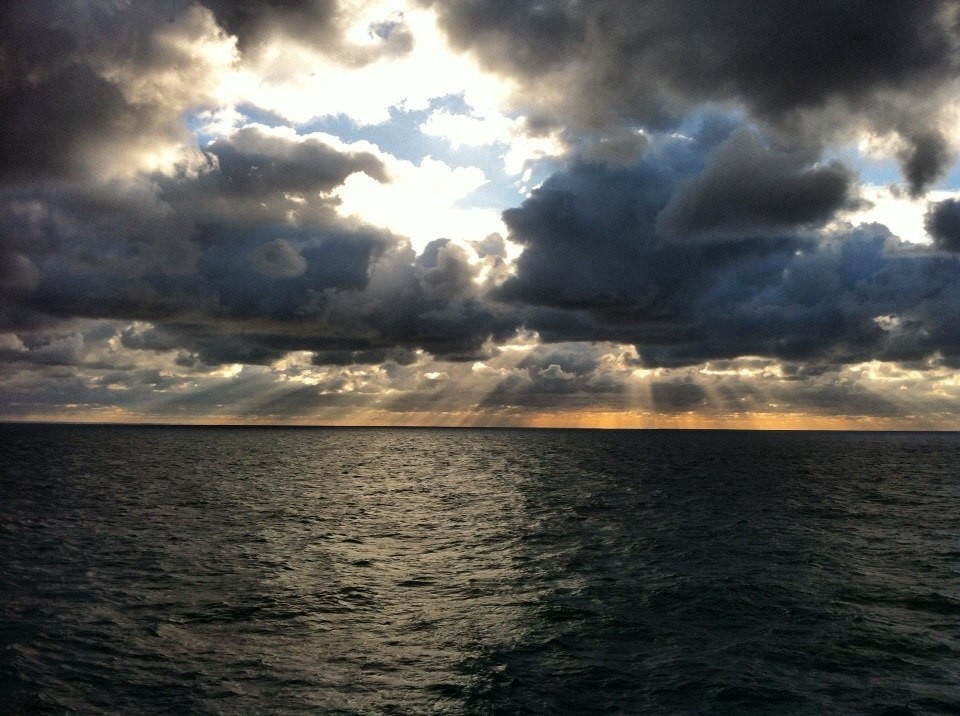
(404, 571)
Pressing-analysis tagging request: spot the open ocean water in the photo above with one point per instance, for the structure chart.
(406, 571)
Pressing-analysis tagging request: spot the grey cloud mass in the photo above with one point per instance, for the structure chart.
(749, 187)
(595, 266)
(697, 221)
(278, 258)
(315, 23)
(256, 163)
(795, 66)
(943, 224)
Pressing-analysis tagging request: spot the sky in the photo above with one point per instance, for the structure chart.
(566, 213)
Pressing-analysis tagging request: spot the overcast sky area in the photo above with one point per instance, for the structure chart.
(611, 213)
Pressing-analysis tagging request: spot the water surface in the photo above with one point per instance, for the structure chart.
(355, 571)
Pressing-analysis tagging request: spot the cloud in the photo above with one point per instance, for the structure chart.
(430, 301)
(323, 25)
(375, 356)
(825, 67)
(590, 234)
(18, 274)
(278, 258)
(102, 94)
(622, 147)
(490, 245)
(684, 245)
(239, 239)
(49, 128)
(749, 187)
(924, 159)
(595, 268)
(942, 222)
(895, 209)
(256, 20)
(574, 375)
(265, 265)
(387, 306)
(676, 396)
(256, 160)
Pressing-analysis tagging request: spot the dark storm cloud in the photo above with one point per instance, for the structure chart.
(240, 262)
(702, 242)
(254, 162)
(63, 107)
(317, 23)
(331, 261)
(226, 277)
(750, 187)
(430, 301)
(47, 127)
(924, 159)
(278, 258)
(352, 305)
(863, 297)
(594, 267)
(255, 20)
(606, 63)
(87, 87)
(232, 349)
(62, 350)
(622, 147)
(71, 343)
(943, 224)
(401, 305)
(18, 274)
(841, 398)
(112, 249)
(592, 241)
(240, 233)
(779, 55)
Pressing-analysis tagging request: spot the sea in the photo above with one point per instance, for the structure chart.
(222, 570)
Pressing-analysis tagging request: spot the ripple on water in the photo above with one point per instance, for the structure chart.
(407, 571)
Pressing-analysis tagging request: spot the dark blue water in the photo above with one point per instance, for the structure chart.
(204, 570)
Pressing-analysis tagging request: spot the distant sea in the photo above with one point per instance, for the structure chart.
(407, 571)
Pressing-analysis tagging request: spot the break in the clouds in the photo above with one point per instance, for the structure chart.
(446, 212)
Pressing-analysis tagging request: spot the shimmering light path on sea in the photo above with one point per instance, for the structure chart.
(216, 570)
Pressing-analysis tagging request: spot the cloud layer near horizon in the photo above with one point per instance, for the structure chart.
(174, 246)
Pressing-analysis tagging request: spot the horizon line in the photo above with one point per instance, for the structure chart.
(331, 426)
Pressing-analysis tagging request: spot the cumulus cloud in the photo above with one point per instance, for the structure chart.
(278, 258)
(748, 187)
(256, 160)
(682, 247)
(803, 70)
(320, 24)
(924, 159)
(943, 224)
(571, 374)
(595, 267)
(619, 147)
(103, 91)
